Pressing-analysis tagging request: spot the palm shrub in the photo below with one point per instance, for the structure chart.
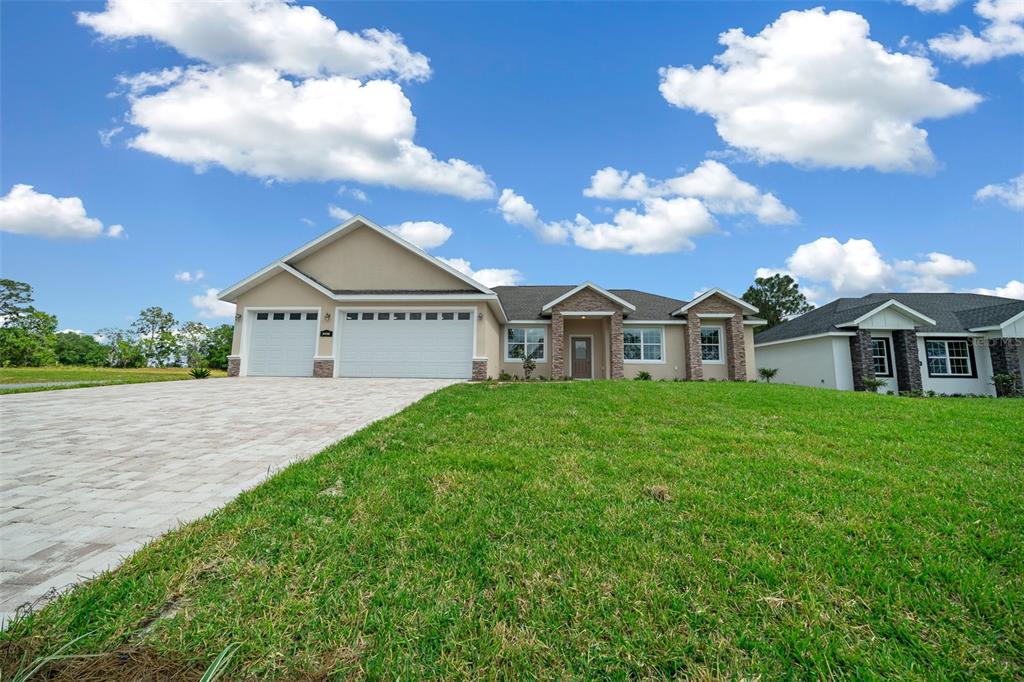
(872, 383)
(199, 373)
(642, 376)
(768, 373)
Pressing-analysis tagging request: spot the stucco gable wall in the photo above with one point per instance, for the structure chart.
(364, 259)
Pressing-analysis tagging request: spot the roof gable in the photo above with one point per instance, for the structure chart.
(593, 287)
(718, 292)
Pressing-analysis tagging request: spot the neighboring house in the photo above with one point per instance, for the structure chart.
(360, 301)
(947, 343)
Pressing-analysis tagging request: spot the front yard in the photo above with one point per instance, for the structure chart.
(597, 529)
(58, 378)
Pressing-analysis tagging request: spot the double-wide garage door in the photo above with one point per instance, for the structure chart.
(405, 343)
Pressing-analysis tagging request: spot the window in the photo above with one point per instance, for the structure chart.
(949, 358)
(711, 344)
(447, 316)
(463, 316)
(880, 356)
(399, 316)
(527, 342)
(351, 316)
(310, 316)
(294, 316)
(383, 316)
(415, 316)
(642, 345)
(262, 316)
(367, 316)
(278, 316)
(431, 316)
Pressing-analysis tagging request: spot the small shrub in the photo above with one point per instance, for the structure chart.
(768, 373)
(872, 384)
(504, 376)
(199, 373)
(1006, 385)
(642, 376)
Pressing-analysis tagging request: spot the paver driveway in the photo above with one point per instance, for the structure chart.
(89, 475)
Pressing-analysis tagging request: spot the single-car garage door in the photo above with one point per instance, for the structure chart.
(405, 343)
(283, 344)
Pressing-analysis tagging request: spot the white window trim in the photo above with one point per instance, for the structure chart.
(721, 345)
(949, 365)
(886, 355)
(643, 361)
(504, 343)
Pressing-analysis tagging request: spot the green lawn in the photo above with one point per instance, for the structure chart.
(599, 530)
(87, 376)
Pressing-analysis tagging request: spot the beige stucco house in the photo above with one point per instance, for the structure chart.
(359, 301)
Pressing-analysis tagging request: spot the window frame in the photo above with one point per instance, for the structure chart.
(972, 362)
(721, 344)
(643, 360)
(887, 348)
(525, 328)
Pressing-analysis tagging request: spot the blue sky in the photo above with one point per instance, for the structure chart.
(534, 98)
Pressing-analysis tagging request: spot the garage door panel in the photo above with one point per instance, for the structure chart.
(282, 347)
(406, 348)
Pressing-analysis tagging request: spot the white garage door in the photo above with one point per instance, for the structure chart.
(406, 343)
(283, 344)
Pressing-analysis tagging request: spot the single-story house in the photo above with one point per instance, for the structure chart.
(360, 301)
(946, 343)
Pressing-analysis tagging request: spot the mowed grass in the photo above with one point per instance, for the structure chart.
(88, 376)
(602, 530)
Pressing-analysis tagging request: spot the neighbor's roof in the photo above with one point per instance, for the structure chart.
(527, 302)
(953, 313)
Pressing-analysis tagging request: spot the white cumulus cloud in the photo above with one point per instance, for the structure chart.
(939, 6)
(425, 234)
(1010, 192)
(1013, 289)
(856, 267)
(712, 182)
(338, 213)
(516, 210)
(813, 89)
(489, 277)
(186, 276)
(209, 307)
(1002, 35)
(25, 211)
(285, 36)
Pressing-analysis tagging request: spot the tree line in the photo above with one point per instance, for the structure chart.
(29, 338)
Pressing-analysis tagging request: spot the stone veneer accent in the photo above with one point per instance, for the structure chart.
(862, 366)
(735, 343)
(586, 300)
(1005, 359)
(479, 370)
(906, 359)
(323, 369)
(234, 366)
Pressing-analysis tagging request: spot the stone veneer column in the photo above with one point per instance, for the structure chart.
(736, 350)
(906, 359)
(323, 368)
(1005, 359)
(479, 372)
(615, 346)
(694, 363)
(557, 354)
(234, 366)
(861, 364)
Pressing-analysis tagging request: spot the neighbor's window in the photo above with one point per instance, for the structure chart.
(642, 345)
(948, 358)
(880, 357)
(711, 344)
(525, 342)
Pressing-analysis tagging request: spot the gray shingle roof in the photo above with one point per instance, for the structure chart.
(526, 302)
(953, 313)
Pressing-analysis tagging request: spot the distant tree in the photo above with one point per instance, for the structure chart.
(123, 349)
(155, 331)
(220, 346)
(73, 348)
(28, 339)
(194, 342)
(777, 297)
(15, 299)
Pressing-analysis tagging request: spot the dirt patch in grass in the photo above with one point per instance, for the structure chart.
(138, 664)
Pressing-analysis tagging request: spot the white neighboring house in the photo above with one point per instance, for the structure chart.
(946, 343)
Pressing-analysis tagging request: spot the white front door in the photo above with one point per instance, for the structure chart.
(400, 342)
(283, 343)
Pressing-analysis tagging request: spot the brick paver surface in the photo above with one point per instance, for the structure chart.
(89, 475)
